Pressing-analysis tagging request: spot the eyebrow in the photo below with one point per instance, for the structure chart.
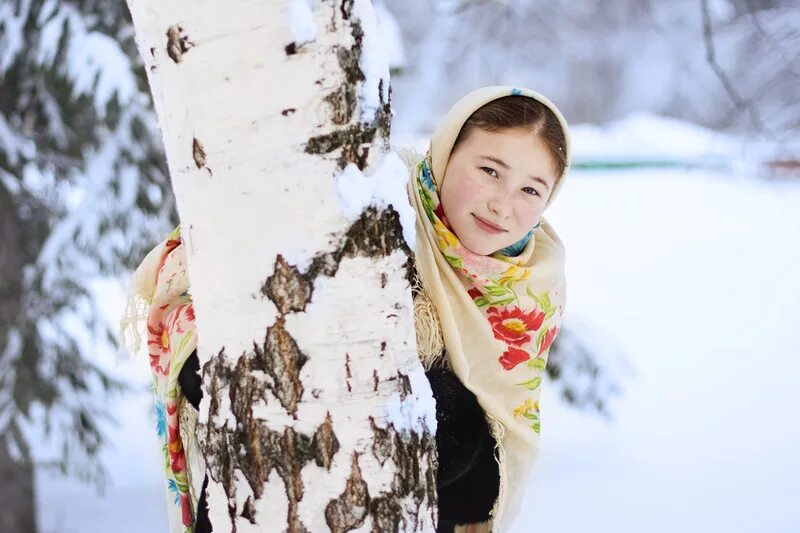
(505, 166)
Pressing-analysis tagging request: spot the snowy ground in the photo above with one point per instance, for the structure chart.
(693, 275)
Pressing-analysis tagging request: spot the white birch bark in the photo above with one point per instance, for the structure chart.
(316, 413)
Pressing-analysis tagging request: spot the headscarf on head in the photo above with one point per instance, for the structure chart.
(500, 313)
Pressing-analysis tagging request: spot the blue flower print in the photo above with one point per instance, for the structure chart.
(161, 419)
(173, 488)
(427, 177)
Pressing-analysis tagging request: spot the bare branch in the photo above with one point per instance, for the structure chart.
(738, 101)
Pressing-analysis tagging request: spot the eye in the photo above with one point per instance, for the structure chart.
(489, 171)
(531, 191)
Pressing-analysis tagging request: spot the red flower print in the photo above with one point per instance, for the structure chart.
(190, 313)
(439, 212)
(512, 325)
(512, 357)
(176, 454)
(158, 347)
(548, 339)
(186, 510)
(170, 245)
(474, 293)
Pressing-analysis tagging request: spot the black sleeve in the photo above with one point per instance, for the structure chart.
(468, 476)
(189, 380)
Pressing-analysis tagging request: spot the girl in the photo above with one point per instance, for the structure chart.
(488, 300)
(491, 273)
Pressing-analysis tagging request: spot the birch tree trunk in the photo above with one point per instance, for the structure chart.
(275, 115)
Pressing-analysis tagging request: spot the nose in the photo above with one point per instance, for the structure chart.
(498, 204)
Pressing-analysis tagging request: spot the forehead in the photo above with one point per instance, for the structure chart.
(520, 149)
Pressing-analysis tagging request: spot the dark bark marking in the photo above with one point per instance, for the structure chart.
(288, 111)
(295, 454)
(290, 48)
(386, 515)
(249, 510)
(287, 288)
(350, 140)
(325, 444)
(348, 374)
(354, 141)
(408, 450)
(381, 442)
(244, 391)
(347, 9)
(252, 447)
(375, 234)
(281, 359)
(405, 385)
(199, 155)
(348, 511)
(383, 348)
(384, 280)
(177, 43)
(343, 102)
(375, 380)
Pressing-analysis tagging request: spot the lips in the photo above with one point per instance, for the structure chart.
(487, 226)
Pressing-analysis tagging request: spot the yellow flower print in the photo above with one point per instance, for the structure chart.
(513, 274)
(444, 236)
(526, 407)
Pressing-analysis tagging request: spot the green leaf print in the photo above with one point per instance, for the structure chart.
(180, 349)
(496, 290)
(427, 202)
(536, 427)
(505, 301)
(537, 363)
(546, 301)
(480, 301)
(454, 261)
(540, 336)
(535, 298)
(531, 384)
(543, 302)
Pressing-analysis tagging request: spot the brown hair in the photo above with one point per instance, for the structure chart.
(520, 112)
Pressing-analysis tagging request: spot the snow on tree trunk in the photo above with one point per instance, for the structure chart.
(316, 412)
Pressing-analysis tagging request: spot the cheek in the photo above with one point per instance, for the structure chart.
(527, 214)
(529, 211)
(462, 193)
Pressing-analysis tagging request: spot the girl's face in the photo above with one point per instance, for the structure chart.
(496, 185)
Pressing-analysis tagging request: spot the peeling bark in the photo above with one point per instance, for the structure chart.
(177, 43)
(348, 511)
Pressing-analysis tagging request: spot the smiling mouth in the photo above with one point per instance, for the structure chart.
(487, 226)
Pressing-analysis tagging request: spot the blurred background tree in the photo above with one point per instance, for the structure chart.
(604, 60)
(83, 194)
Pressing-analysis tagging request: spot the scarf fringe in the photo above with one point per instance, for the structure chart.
(430, 341)
(133, 324)
(498, 432)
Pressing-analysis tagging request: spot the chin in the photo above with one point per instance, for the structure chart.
(480, 248)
